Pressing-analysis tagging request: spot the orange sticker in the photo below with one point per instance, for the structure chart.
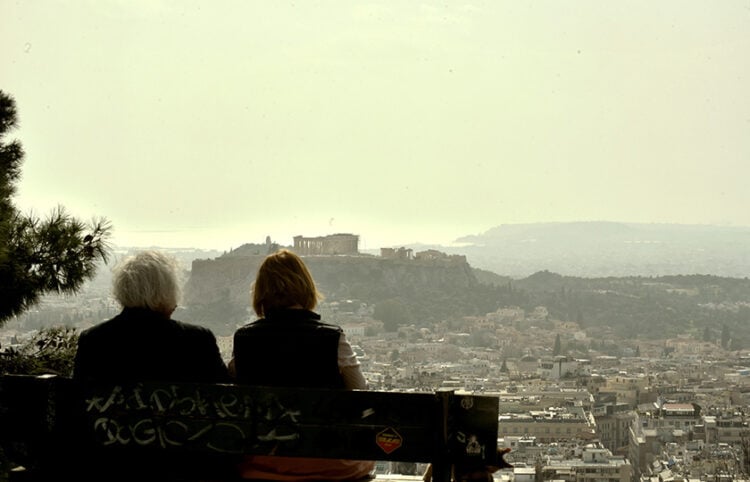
(388, 440)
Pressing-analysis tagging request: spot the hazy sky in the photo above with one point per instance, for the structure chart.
(212, 124)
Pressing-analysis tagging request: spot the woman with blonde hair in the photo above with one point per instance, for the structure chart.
(289, 346)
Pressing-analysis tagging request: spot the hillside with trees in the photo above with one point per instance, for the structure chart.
(655, 307)
(407, 292)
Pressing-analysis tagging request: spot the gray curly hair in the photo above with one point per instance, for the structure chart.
(149, 279)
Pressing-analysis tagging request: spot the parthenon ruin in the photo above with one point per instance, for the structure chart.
(342, 243)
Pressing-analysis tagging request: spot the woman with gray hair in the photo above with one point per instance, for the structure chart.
(143, 342)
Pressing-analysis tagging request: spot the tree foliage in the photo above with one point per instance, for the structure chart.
(557, 349)
(392, 312)
(50, 351)
(37, 256)
(725, 337)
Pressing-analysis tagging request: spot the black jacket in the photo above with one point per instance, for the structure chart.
(139, 344)
(288, 348)
(142, 345)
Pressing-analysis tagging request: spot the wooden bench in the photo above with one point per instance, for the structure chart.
(44, 417)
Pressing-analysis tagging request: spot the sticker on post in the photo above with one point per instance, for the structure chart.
(388, 440)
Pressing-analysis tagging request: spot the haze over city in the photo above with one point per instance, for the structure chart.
(189, 124)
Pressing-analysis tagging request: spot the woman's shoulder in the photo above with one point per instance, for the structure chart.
(192, 328)
(332, 326)
(250, 326)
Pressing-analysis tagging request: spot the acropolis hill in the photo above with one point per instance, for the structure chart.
(400, 288)
(340, 271)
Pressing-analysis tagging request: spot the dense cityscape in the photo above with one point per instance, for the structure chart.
(572, 407)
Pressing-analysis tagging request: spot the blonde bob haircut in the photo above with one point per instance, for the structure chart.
(148, 279)
(283, 281)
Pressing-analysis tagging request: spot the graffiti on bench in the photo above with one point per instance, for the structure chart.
(181, 416)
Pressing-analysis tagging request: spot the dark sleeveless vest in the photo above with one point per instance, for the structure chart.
(288, 348)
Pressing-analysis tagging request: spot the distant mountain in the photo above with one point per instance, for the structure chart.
(596, 249)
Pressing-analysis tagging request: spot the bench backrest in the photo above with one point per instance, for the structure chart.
(442, 428)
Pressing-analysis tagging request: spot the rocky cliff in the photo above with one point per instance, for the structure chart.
(227, 279)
